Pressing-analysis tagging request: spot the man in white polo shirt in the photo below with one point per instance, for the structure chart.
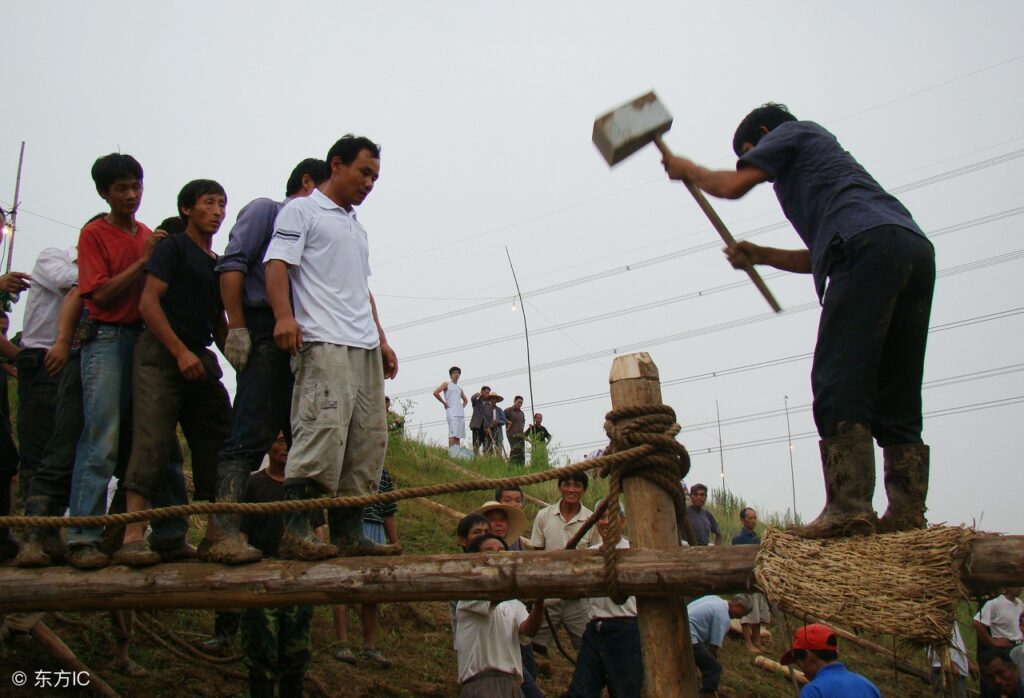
(340, 354)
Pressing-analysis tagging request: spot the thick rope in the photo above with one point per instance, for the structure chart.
(280, 507)
(664, 465)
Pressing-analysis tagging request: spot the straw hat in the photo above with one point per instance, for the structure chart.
(494, 397)
(515, 515)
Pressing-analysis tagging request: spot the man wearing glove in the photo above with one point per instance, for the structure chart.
(264, 378)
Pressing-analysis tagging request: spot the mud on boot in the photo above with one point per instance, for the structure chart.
(298, 541)
(41, 547)
(906, 486)
(848, 463)
(347, 534)
(223, 542)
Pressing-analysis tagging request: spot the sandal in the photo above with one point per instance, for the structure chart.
(344, 654)
(128, 667)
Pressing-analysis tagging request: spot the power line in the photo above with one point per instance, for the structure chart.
(710, 245)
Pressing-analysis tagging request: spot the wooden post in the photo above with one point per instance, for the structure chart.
(669, 669)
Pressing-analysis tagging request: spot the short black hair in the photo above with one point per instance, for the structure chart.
(317, 170)
(517, 397)
(110, 168)
(994, 653)
(173, 225)
(348, 147)
(468, 521)
(484, 387)
(768, 115)
(580, 477)
(191, 192)
(502, 490)
(743, 512)
(699, 488)
(474, 545)
(453, 369)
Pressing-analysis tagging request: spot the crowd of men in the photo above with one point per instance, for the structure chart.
(490, 424)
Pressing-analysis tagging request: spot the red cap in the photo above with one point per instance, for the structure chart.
(812, 637)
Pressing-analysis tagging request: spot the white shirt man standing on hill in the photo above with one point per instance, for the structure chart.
(340, 354)
(454, 402)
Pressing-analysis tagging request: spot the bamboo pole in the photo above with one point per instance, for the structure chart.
(529, 575)
(898, 662)
(669, 668)
(795, 675)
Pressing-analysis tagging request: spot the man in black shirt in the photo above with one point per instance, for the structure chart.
(176, 378)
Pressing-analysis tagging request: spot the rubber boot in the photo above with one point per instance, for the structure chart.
(225, 627)
(848, 462)
(906, 485)
(227, 545)
(347, 534)
(41, 547)
(8, 546)
(346, 526)
(298, 541)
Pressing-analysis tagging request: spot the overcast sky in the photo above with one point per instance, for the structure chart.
(485, 112)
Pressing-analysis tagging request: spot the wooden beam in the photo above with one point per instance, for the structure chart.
(669, 668)
(995, 561)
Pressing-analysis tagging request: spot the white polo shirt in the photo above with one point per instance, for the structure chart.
(1002, 617)
(604, 607)
(328, 256)
(487, 637)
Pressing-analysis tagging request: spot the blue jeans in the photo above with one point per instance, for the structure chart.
(263, 397)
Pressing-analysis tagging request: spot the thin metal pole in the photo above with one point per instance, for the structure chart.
(526, 331)
(14, 210)
(789, 438)
(721, 455)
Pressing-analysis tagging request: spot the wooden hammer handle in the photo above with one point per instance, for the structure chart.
(723, 232)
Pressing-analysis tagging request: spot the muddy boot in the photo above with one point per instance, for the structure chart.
(848, 462)
(906, 485)
(298, 541)
(8, 545)
(226, 545)
(347, 534)
(173, 549)
(41, 547)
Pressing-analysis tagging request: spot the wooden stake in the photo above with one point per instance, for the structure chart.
(67, 659)
(669, 668)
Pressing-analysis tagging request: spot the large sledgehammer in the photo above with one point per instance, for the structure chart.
(625, 130)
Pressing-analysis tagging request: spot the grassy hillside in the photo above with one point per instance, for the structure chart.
(415, 636)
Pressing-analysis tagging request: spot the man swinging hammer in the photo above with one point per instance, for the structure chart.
(874, 272)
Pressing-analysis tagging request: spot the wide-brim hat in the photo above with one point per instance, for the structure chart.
(516, 518)
(494, 397)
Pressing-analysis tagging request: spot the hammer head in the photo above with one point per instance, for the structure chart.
(623, 131)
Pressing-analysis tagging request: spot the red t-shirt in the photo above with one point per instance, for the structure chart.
(104, 251)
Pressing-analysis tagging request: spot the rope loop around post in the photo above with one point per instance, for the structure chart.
(664, 464)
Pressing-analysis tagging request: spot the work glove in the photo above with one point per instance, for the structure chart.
(237, 348)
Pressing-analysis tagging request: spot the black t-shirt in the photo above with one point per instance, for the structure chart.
(265, 530)
(192, 301)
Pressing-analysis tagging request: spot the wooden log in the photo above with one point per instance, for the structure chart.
(555, 574)
(81, 675)
(669, 668)
(772, 665)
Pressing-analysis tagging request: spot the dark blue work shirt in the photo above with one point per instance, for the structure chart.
(823, 191)
(247, 243)
(746, 537)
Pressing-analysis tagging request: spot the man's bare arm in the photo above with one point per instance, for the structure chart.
(156, 323)
(287, 333)
(387, 354)
(232, 284)
(724, 184)
(117, 286)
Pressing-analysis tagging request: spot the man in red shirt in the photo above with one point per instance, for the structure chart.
(112, 252)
